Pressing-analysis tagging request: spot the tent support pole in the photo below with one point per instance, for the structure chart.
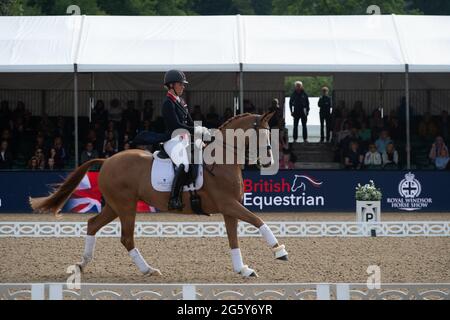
(75, 110)
(91, 98)
(408, 137)
(241, 89)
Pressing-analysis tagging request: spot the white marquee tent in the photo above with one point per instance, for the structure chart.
(229, 44)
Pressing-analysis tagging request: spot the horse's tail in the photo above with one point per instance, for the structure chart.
(55, 201)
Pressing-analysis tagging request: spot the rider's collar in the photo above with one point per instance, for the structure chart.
(173, 97)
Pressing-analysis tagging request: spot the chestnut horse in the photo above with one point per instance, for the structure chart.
(124, 179)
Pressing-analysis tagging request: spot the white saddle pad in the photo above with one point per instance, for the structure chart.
(163, 174)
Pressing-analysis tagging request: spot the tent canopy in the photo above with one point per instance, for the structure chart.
(223, 43)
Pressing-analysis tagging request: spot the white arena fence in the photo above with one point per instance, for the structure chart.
(217, 229)
(301, 291)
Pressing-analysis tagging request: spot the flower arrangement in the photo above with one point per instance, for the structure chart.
(368, 192)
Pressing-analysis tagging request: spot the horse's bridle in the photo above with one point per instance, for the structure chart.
(256, 126)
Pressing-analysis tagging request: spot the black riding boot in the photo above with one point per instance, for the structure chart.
(175, 201)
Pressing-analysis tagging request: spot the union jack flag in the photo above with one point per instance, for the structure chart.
(88, 198)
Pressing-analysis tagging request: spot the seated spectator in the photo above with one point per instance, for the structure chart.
(6, 159)
(109, 150)
(444, 125)
(115, 111)
(383, 141)
(112, 141)
(51, 164)
(439, 153)
(33, 164)
(6, 135)
(40, 143)
(89, 153)
(286, 160)
(372, 158)
(127, 146)
(212, 118)
(365, 134)
(427, 128)
(61, 130)
(390, 157)
(147, 113)
(20, 110)
(353, 158)
(197, 115)
(344, 132)
(40, 157)
(60, 153)
(146, 126)
(52, 153)
(357, 112)
(100, 114)
(126, 139)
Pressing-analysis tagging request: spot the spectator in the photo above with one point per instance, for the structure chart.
(126, 139)
(286, 160)
(109, 150)
(365, 134)
(344, 133)
(444, 125)
(212, 118)
(126, 146)
(40, 143)
(147, 113)
(439, 153)
(6, 159)
(299, 106)
(51, 164)
(33, 164)
(283, 135)
(60, 153)
(52, 153)
(353, 158)
(390, 157)
(20, 110)
(112, 141)
(383, 141)
(89, 153)
(100, 114)
(325, 115)
(61, 129)
(131, 115)
(197, 115)
(427, 128)
(115, 111)
(372, 158)
(394, 126)
(357, 112)
(40, 157)
(277, 116)
(376, 122)
(5, 114)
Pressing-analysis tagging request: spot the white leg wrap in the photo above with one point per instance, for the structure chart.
(268, 235)
(247, 272)
(89, 246)
(279, 251)
(236, 258)
(141, 263)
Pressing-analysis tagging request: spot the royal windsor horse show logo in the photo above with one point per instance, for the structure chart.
(283, 193)
(409, 189)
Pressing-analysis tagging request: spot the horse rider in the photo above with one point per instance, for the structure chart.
(176, 116)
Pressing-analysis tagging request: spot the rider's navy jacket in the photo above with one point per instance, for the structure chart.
(176, 115)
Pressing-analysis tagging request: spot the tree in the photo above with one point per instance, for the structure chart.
(437, 7)
(17, 8)
(336, 7)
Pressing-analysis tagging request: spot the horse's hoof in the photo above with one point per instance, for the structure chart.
(253, 274)
(283, 258)
(80, 267)
(153, 272)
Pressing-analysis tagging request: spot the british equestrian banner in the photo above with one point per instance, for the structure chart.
(289, 190)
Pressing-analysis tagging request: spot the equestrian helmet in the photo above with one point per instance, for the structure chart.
(172, 76)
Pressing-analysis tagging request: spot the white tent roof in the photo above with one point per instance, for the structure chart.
(158, 43)
(321, 43)
(38, 44)
(222, 43)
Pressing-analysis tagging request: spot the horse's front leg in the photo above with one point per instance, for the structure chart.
(231, 224)
(236, 210)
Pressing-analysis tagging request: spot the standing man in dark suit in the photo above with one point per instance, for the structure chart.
(325, 114)
(299, 105)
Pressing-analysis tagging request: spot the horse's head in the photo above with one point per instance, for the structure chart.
(257, 126)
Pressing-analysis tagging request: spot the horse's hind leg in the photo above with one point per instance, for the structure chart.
(127, 238)
(93, 226)
(231, 225)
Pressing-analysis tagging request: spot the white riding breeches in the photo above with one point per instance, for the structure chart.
(177, 149)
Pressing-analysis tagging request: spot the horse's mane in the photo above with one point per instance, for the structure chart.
(238, 116)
